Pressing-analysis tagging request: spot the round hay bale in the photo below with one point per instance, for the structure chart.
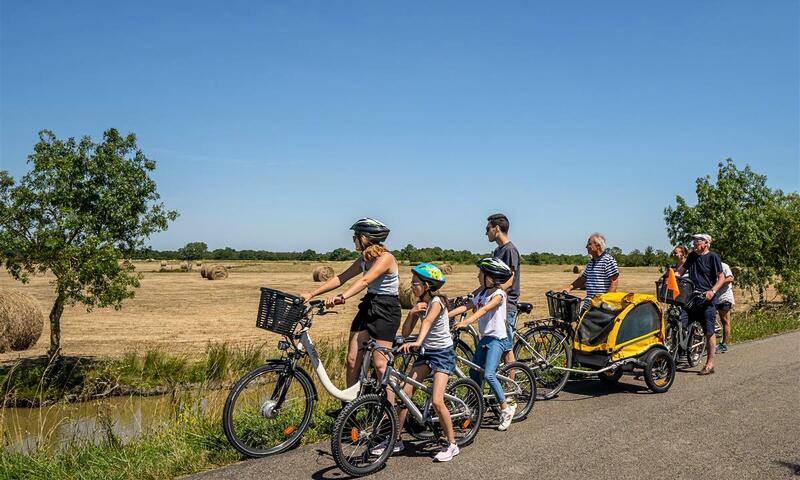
(198, 264)
(407, 297)
(322, 273)
(204, 271)
(217, 272)
(576, 269)
(21, 321)
(446, 268)
(126, 265)
(163, 263)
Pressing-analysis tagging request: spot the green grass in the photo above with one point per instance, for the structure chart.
(759, 323)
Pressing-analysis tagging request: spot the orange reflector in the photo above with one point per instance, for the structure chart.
(288, 431)
(465, 425)
(539, 340)
(354, 434)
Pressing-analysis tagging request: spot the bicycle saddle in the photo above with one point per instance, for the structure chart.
(525, 307)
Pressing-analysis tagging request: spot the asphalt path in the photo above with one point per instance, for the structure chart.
(741, 422)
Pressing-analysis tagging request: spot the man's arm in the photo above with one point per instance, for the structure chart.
(579, 283)
(614, 282)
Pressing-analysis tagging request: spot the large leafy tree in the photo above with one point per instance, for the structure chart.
(738, 210)
(192, 251)
(81, 208)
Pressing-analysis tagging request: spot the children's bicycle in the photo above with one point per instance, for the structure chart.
(269, 408)
(365, 431)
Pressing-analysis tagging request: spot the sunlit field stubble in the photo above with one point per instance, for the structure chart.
(183, 312)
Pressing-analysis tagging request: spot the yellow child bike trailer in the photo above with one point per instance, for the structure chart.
(624, 332)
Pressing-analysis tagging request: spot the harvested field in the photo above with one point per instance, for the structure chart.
(183, 312)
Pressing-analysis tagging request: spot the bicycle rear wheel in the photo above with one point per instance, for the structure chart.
(268, 410)
(466, 418)
(521, 390)
(549, 344)
(365, 424)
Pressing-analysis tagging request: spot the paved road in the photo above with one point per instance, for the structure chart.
(741, 422)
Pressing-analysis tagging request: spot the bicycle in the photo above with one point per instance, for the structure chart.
(370, 421)
(268, 409)
(546, 345)
(689, 340)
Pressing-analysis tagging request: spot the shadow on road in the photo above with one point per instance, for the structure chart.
(793, 467)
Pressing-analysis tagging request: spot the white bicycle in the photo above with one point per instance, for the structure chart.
(269, 409)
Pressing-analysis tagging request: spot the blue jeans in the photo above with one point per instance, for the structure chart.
(511, 322)
(487, 355)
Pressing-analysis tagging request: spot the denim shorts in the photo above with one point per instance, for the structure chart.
(724, 306)
(443, 360)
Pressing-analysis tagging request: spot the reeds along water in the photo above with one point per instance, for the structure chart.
(121, 419)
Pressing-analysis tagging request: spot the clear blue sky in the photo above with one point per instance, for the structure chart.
(276, 124)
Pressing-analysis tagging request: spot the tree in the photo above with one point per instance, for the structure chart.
(81, 208)
(192, 251)
(735, 212)
(784, 215)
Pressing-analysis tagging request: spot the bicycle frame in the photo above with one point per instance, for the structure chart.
(393, 379)
(474, 366)
(307, 346)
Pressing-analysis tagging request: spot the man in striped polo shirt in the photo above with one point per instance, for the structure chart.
(601, 273)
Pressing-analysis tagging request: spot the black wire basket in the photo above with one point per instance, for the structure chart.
(279, 312)
(563, 306)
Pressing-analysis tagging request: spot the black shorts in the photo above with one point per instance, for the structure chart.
(379, 315)
(724, 306)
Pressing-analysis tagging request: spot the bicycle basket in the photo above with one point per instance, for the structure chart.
(683, 299)
(563, 306)
(279, 312)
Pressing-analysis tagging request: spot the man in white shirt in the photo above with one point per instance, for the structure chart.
(725, 303)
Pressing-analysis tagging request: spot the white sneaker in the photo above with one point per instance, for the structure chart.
(447, 453)
(506, 416)
(378, 450)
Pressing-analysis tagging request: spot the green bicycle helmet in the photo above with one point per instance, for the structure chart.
(430, 274)
(495, 268)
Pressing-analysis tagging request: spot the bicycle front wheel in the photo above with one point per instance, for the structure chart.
(268, 410)
(364, 435)
(548, 345)
(696, 344)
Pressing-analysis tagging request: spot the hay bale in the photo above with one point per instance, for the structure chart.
(21, 321)
(576, 269)
(322, 273)
(217, 272)
(446, 268)
(163, 263)
(126, 265)
(204, 271)
(407, 297)
(198, 264)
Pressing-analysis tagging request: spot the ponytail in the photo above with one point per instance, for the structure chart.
(373, 251)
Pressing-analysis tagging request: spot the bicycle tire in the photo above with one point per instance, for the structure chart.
(465, 429)
(249, 429)
(552, 345)
(463, 350)
(659, 371)
(525, 380)
(369, 419)
(696, 344)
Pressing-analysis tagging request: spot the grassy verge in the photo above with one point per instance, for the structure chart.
(759, 323)
(191, 441)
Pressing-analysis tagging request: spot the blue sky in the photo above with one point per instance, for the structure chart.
(276, 124)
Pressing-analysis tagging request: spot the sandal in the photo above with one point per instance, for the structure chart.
(706, 371)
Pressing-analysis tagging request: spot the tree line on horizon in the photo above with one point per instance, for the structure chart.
(199, 250)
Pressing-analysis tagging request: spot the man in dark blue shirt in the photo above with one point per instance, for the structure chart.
(497, 232)
(705, 271)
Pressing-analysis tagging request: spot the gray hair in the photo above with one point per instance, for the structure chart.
(600, 239)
